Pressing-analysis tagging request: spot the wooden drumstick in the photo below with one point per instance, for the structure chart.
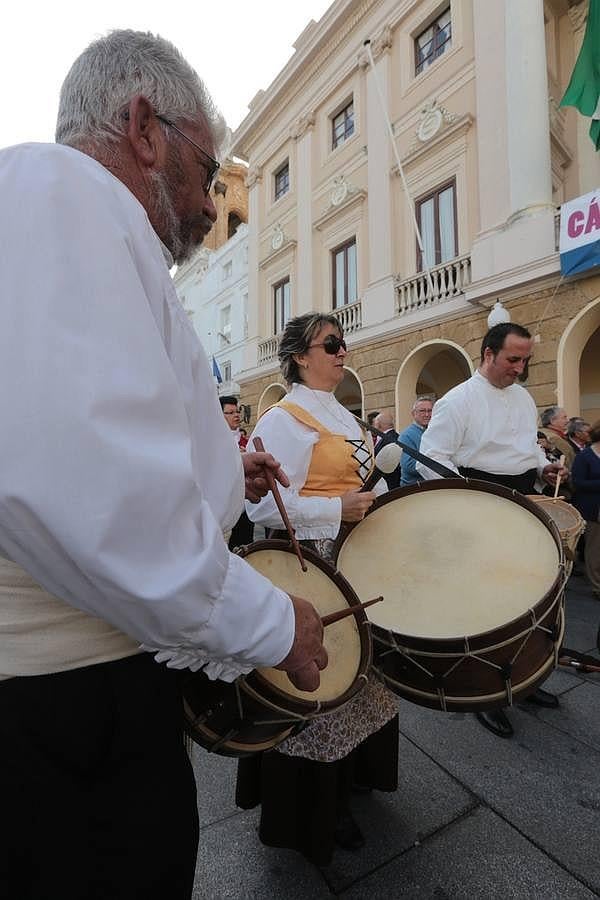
(561, 462)
(349, 611)
(270, 478)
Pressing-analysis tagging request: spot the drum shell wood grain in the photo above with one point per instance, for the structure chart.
(471, 673)
(252, 714)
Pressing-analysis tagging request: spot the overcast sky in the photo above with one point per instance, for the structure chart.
(237, 47)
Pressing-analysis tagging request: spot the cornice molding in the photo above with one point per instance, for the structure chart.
(381, 43)
(302, 125)
(305, 73)
(254, 176)
(353, 197)
(457, 125)
(280, 251)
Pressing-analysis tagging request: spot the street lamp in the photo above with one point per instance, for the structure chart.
(499, 315)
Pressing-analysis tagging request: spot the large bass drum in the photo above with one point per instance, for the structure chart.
(259, 710)
(473, 579)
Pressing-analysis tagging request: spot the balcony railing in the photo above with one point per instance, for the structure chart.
(350, 317)
(267, 350)
(449, 281)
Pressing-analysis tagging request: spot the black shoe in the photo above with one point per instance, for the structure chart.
(543, 698)
(497, 722)
(347, 833)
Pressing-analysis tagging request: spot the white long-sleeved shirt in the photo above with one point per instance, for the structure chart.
(292, 442)
(118, 474)
(483, 427)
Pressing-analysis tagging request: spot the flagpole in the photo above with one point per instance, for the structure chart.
(390, 131)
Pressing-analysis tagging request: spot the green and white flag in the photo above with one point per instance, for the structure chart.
(584, 87)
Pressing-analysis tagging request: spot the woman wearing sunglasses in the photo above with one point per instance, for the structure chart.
(305, 784)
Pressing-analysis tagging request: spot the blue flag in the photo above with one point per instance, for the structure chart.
(217, 372)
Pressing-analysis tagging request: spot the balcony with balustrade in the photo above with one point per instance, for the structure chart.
(448, 282)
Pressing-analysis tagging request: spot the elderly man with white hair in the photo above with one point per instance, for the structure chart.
(118, 479)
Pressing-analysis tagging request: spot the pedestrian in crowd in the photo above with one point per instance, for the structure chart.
(384, 422)
(242, 532)
(304, 785)
(554, 421)
(422, 410)
(578, 434)
(485, 428)
(117, 481)
(372, 416)
(553, 456)
(585, 474)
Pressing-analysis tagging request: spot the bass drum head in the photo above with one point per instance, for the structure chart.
(328, 593)
(451, 562)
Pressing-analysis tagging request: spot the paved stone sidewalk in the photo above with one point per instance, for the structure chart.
(474, 816)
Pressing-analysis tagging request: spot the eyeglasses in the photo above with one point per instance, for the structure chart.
(331, 344)
(212, 166)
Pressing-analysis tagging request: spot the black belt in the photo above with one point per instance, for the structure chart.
(524, 483)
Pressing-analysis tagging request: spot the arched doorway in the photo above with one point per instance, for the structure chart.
(350, 393)
(431, 369)
(269, 397)
(578, 364)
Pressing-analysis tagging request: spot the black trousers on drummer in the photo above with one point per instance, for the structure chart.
(97, 791)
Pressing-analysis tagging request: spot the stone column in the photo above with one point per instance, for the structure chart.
(253, 182)
(378, 298)
(302, 133)
(513, 137)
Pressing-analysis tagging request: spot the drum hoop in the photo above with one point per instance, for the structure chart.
(574, 530)
(270, 693)
(468, 648)
(453, 644)
(446, 701)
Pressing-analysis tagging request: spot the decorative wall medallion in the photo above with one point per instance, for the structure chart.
(432, 119)
(431, 122)
(339, 191)
(278, 237)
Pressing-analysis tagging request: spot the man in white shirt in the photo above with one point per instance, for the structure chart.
(117, 481)
(486, 428)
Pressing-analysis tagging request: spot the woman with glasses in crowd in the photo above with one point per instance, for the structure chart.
(305, 784)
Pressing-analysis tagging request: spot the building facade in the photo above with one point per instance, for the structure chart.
(213, 284)
(471, 91)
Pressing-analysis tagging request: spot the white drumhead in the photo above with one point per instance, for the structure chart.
(341, 640)
(449, 563)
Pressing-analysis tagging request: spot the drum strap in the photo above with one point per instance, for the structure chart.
(432, 464)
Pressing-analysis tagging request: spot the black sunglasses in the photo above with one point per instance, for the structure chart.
(331, 344)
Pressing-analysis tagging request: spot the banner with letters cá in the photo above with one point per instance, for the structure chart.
(580, 234)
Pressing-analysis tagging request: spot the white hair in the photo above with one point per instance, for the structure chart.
(114, 69)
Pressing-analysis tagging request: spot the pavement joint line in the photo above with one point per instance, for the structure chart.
(466, 813)
(487, 805)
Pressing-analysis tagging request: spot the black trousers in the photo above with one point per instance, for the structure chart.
(98, 799)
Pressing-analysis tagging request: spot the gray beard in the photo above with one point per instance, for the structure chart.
(176, 235)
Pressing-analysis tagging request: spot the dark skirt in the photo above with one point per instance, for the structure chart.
(301, 799)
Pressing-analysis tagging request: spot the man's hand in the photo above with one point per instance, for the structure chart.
(256, 483)
(308, 655)
(551, 472)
